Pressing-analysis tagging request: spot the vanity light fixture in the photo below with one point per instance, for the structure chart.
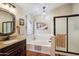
(9, 4)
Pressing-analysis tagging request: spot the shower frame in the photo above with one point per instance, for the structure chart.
(54, 23)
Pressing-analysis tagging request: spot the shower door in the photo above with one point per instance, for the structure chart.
(60, 30)
(73, 34)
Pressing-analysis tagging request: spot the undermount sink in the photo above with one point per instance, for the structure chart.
(10, 41)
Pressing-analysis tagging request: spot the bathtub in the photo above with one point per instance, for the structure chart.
(34, 45)
(39, 42)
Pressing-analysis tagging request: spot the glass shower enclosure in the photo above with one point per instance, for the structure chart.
(66, 30)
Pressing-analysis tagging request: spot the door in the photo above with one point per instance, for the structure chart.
(61, 34)
(73, 34)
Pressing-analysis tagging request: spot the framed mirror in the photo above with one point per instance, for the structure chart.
(7, 23)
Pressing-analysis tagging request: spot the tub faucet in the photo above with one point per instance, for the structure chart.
(34, 38)
(50, 39)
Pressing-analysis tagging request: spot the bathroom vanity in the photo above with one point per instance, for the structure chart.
(10, 45)
(13, 47)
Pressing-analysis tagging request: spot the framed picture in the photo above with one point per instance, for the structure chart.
(21, 22)
(41, 25)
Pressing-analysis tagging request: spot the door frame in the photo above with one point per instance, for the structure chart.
(54, 21)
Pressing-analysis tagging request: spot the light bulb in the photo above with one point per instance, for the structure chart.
(44, 13)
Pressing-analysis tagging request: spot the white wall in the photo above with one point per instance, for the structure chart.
(75, 8)
(63, 10)
(45, 20)
(60, 11)
(29, 25)
(20, 14)
(42, 35)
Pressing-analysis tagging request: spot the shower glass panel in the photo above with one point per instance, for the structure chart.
(61, 34)
(73, 34)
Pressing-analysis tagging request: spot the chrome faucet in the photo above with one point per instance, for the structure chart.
(34, 38)
(50, 39)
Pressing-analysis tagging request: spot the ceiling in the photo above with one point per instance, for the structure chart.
(37, 8)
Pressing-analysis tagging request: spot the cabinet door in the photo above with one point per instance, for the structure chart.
(61, 34)
(73, 34)
(14, 52)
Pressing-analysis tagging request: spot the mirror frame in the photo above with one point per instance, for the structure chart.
(2, 34)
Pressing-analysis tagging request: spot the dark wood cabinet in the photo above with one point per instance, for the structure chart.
(17, 49)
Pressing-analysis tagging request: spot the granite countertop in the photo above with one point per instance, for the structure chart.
(13, 40)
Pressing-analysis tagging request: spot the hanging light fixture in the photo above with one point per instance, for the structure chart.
(44, 10)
